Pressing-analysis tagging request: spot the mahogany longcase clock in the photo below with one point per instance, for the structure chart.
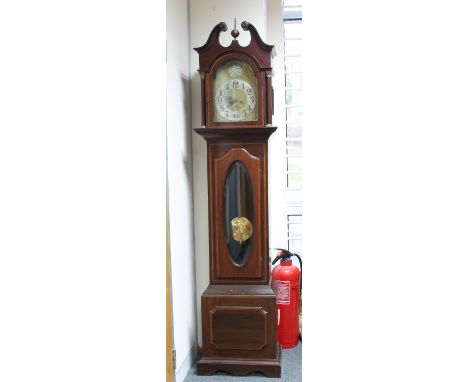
(238, 307)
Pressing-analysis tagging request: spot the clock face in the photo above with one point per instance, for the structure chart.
(235, 93)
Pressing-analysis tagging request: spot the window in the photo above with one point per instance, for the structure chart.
(292, 22)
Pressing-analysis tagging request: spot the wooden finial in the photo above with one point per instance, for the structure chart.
(235, 32)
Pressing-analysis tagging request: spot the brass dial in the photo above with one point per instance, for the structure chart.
(235, 93)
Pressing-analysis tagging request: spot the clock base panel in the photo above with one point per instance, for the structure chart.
(239, 330)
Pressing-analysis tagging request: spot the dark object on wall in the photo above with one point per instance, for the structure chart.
(239, 307)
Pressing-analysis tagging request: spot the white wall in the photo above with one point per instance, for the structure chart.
(278, 229)
(179, 165)
(204, 15)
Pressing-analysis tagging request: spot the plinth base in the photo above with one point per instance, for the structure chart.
(241, 366)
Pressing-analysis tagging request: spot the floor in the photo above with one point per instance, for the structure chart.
(291, 370)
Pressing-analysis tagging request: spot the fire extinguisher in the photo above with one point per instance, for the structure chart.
(286, 281)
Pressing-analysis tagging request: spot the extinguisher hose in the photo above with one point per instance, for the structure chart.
(300, 276)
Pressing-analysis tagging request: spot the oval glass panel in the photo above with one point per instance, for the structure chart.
(238, 213)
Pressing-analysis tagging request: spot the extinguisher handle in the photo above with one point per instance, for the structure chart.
(280, 257)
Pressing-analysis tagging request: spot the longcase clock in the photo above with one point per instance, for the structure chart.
(238, 307)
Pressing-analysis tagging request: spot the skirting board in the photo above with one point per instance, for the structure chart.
(187, 364)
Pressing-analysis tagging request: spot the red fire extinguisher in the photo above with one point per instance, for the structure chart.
(286, 281)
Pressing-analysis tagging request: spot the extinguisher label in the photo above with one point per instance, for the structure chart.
(283, 292)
